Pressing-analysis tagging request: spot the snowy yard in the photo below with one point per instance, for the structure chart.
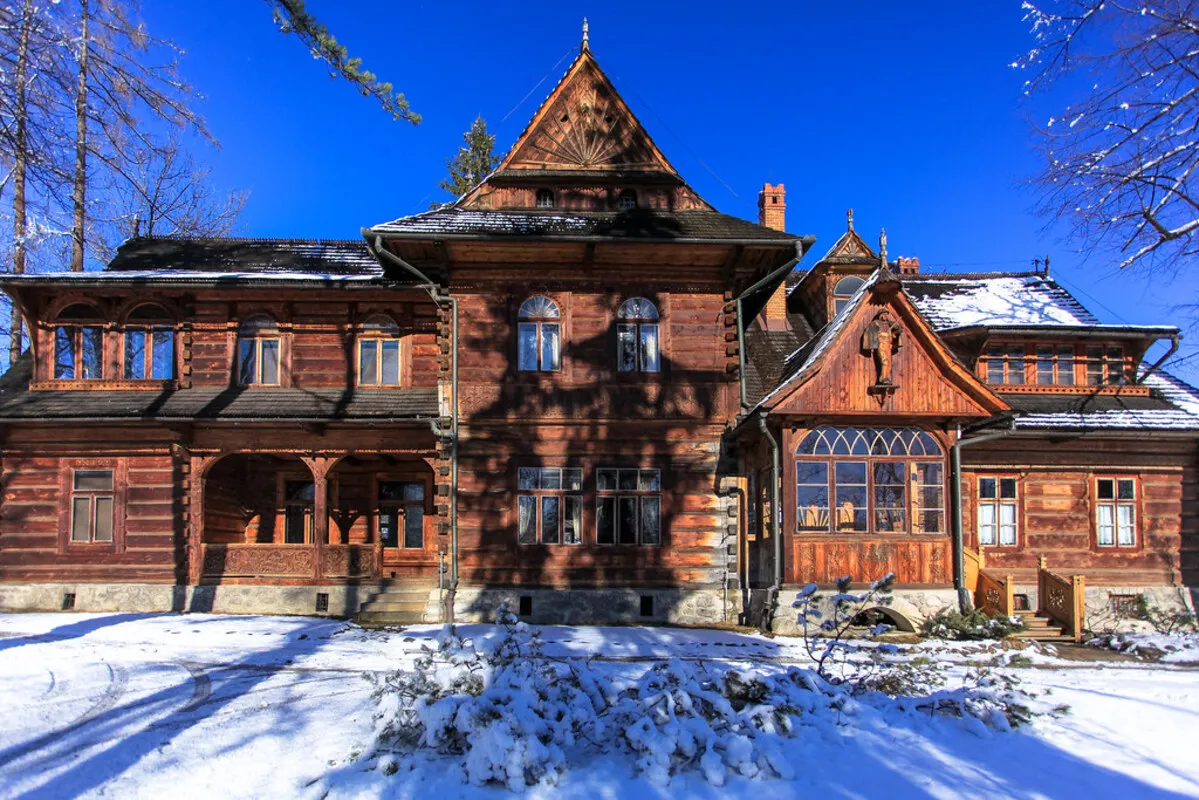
(201, 705)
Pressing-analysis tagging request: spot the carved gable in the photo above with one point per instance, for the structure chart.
(885, 360)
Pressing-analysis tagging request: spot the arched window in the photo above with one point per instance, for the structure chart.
(844, 290)
(149, 344)
(627, 200)
(258, 352)
(379, 352)
(545, 198)
(869, 480)
(637, 336)
(79, 344)
(540, 334)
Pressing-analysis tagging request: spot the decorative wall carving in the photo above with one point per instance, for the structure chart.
(252, 560)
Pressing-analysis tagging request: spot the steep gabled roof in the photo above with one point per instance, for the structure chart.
(584, 129)
(956, 301)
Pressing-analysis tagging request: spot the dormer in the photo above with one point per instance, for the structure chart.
(829, 285)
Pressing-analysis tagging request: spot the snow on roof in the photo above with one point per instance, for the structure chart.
(956, 302)
(1183, 417)
(172, 275)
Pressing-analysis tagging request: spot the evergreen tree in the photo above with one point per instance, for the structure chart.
(474, 160)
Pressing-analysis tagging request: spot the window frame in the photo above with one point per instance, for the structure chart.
(531, 484)
(545, 198)
(93, 498)
(627, 200)
(1115, 503)
(840, 298)
(638, 495)
(65, 506)
(1105, 361)
(77, 328)
(538, 323)
(630, 319)
(914, 469)
(258, 337)
(380, 330)
(403, 505)
(1016, 501)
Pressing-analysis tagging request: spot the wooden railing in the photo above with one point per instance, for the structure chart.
(1062, 599)
(995, 594)
(972, 563)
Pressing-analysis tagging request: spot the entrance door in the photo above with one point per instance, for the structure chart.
(298, 498)
(401, 514)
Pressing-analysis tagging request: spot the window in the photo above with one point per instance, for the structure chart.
(402, 505)
(379, 353)
(550, 506)
(545, 198)
(1005, 363)
(1055, 365)
(258, 352)
(997, 512)
(79, 344)
(149, 344)
(1116, 512)
(867, 480)
(298, 498)
(637, 348)
(540, 335)
(844, 291)
(628, 506)
(91, 506)
(1105, 366)
(627, 200)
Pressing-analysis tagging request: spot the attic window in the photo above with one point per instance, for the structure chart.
(844, 290)
(628, 200)
(545, 198)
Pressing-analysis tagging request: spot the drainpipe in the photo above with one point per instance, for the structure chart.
(1175, 340)
(955, 494)
(773, 276)
(775, 469)
(434, 290)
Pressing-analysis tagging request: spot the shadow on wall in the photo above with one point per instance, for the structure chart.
(669, 420)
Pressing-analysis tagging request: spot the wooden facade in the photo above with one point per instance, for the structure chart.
(572, 379)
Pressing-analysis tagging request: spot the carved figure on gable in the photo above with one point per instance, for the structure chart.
(882, 339)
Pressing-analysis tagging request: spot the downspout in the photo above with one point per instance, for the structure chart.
(1175, 340)
(955, 494)
(783, 270)
(775, 469)
(434, 290)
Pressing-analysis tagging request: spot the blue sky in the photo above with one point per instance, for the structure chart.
(906, 112)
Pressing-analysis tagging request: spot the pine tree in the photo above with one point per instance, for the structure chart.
(474, 160)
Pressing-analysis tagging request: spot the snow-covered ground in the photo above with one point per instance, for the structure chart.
(132, 705)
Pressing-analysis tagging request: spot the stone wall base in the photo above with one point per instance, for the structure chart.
(601, 606)
(344, 601)
(1101, 615)
(907, 609)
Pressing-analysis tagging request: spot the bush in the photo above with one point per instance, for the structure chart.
(1161, 620)
(509, 715)
(949, 623)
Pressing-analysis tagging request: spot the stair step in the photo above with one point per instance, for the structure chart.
(394, 604)
(379, 618)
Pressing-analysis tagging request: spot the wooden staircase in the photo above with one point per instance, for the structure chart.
(1041, 628)
(398, 605)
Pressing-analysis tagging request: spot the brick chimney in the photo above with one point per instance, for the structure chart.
(908, 266)
(772, 207)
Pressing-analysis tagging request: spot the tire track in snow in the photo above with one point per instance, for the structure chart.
(202, 685)
(118, 679)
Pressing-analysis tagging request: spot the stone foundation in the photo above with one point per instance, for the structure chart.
(907, 609)
(344, 601)
(601, 606)
(1102, 618)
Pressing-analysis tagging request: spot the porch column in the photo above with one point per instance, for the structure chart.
(198, 467)
(320, 466)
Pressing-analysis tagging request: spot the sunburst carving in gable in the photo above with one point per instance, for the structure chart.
(585, 130)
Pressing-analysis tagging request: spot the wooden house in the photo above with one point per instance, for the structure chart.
(582, 390)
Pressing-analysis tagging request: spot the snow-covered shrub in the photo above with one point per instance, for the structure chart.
(950, 623)
(1178, 648)
(508, 714)
(825, 635)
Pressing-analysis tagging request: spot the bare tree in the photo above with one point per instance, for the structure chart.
(1120, 160)
(163, 191)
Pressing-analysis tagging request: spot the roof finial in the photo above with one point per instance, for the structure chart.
(586, 45)
(882, 246)
(849, 218)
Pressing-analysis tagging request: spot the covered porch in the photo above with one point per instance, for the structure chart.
(289, 518)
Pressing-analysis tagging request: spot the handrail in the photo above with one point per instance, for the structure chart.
(1062, 599)
(996, 595)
